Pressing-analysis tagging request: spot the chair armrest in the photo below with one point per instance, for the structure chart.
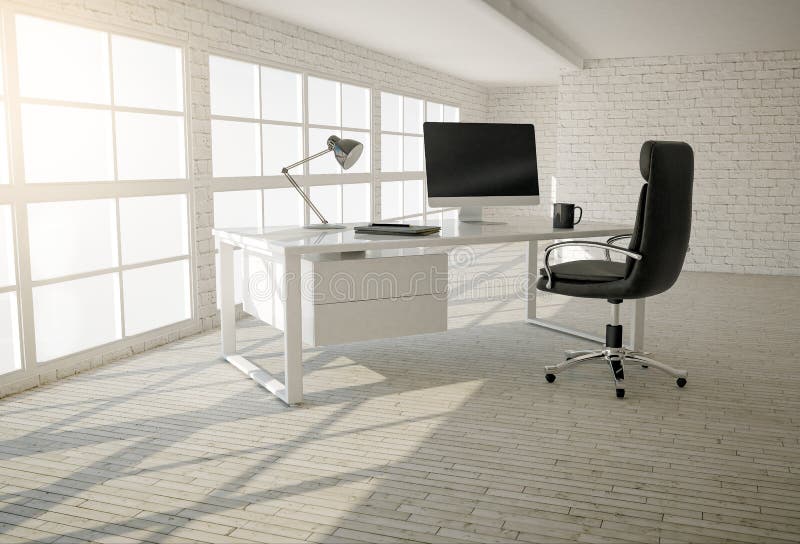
(585, 243)
(615, 239)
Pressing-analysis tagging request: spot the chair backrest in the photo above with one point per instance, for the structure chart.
(663, 219)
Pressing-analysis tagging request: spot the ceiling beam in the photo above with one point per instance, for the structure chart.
(520, 17)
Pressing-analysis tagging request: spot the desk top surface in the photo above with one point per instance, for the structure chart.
(295, 240)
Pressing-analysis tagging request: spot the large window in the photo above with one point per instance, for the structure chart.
(264, 118)
(98, 188)
(402, 156)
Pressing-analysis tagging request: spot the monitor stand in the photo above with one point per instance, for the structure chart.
(474, 214)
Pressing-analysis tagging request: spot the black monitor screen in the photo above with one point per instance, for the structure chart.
(480, 159)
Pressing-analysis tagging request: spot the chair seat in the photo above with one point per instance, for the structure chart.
(589, 271)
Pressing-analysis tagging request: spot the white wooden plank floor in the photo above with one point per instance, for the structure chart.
(450, 437)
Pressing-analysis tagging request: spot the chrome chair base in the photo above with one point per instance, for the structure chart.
(616, 359)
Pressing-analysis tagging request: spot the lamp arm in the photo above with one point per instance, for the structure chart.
(285, 172)
(307, 159)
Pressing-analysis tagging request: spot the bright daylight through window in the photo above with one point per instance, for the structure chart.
(402, 152)
(100, 181)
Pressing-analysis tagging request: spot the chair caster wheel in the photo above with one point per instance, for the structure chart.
(644, 366)
(681, 382)
(620, 393)
(550, 378)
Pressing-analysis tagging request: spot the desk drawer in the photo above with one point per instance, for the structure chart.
(345, 322)
(354, 296)
(345, 277)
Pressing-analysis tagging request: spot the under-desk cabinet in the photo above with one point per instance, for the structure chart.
(350, 297)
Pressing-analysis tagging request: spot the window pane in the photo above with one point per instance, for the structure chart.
(326, 199)
(76, 315)
(237, 209)
(9, 334)
(62, 62)
(317, 141)
(150, 146)
(391, 153)
(391, 199)
(433, 112)
(451, 114)
(412, 115)
(153, 227)
(235, 149)
(356, 202)
(156, 296)
(283, 145)
(323, 102)
(391, 112)
(412, 153)
(66, 144)
(364, 163)
(412, 197)
(3, 144)
(281, 95)
(355, 107)
(7, 260)
(234, 88)
(72, 237)
(147, 74)
(282, 207)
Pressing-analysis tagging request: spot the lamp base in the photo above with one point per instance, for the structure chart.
(325, 226)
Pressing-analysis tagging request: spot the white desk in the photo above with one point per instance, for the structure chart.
(287, 246)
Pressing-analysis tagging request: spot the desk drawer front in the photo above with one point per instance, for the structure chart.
(325, 324)
(374, 277)
(349, 298)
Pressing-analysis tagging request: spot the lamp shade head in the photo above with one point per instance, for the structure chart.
(346, 151)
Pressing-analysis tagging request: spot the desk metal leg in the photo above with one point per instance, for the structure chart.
(637, 321)
(293, 332)
(533, 275)
(292, 391)
(227, 300)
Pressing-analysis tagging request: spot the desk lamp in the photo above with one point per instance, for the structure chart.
(347, 153)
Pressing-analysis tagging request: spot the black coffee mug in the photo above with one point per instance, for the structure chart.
(564, 215)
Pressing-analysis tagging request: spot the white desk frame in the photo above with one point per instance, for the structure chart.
(287, 246)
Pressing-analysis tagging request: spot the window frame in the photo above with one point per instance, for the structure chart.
(19, 194)
(301, 174)
(428, 214)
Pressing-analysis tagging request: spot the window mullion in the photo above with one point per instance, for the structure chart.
(118, 271)
(306, 169)
(117, 227)
(262, 220)
(17, 173)
(341, 170)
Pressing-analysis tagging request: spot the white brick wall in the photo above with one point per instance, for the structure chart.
(740, 113)
(205, 26)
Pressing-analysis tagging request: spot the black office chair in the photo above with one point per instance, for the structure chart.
(654, 260)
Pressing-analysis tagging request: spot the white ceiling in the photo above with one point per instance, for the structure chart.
(465, 38)
(642, 28)
(497, 42)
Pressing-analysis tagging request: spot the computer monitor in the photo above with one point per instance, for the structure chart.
(471, 165)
